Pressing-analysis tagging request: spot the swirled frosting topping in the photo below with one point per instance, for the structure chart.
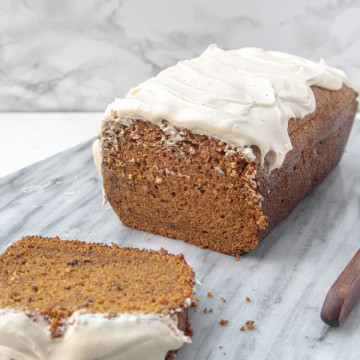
(243, 97)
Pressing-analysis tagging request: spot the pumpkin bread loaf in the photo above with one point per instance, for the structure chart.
(218, 150)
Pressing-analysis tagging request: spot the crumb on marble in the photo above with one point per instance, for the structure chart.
(222, 299)
(209, 294)
(250, 324)
(223, 322)
(237, 258)
(247, 299)
(211, 310)
(242, 328)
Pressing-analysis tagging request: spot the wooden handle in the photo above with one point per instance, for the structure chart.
(343, 295)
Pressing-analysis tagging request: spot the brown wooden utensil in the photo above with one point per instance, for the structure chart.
(343, 294)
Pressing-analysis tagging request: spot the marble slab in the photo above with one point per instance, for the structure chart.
(286, 277)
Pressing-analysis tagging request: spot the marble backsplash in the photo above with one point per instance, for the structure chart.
(77, 56)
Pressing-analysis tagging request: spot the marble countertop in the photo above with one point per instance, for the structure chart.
(286, 277)
(26, 138)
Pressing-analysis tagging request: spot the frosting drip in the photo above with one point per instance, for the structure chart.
(243, 97)
(89, 337)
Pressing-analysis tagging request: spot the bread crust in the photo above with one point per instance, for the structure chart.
(318, 142)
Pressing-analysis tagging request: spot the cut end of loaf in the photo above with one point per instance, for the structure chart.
(195, 189)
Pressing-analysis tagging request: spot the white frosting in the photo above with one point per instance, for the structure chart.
(242, 97)
(89, 337)
(97, 155)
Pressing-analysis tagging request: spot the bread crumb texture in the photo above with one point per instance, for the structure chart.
(196, 189)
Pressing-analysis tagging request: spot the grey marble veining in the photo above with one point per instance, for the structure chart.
(78, 55)
(286, 277)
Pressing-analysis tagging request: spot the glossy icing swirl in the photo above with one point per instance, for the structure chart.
(243, 97)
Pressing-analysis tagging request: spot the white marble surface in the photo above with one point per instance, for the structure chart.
(26, 138)
(78, 55)
(286, 277)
